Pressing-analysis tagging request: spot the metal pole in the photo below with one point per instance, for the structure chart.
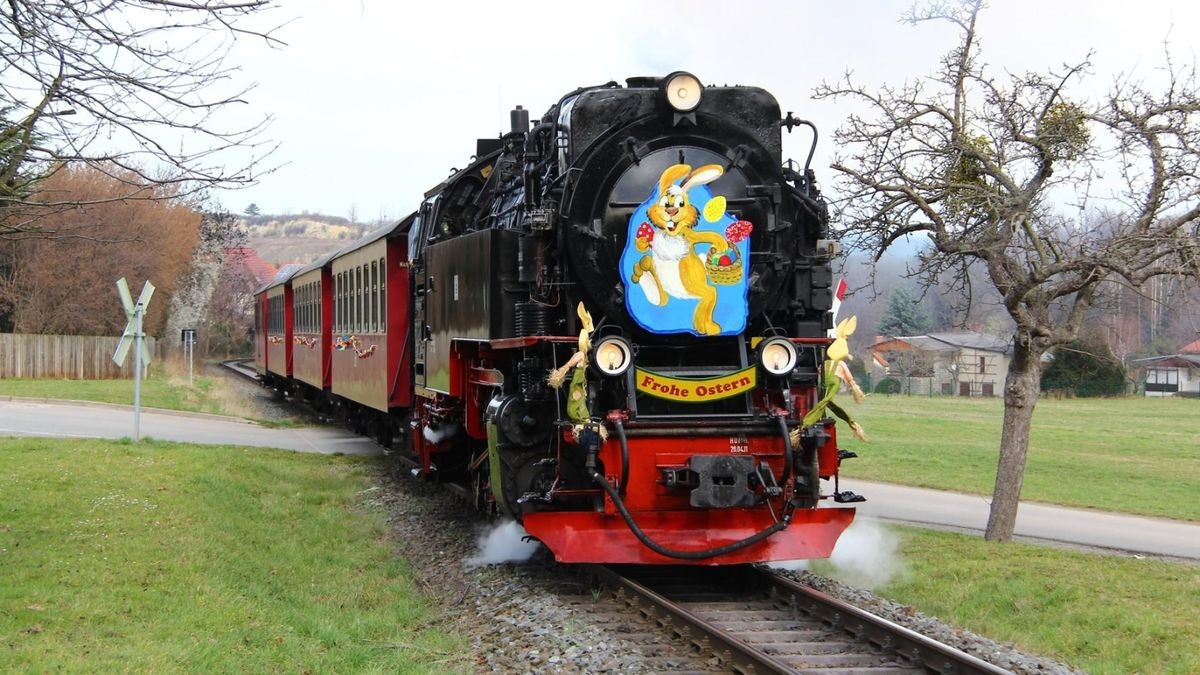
(191, 350)
(137, 373)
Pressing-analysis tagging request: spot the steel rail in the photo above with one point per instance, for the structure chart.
(238, 366)
(882, 633)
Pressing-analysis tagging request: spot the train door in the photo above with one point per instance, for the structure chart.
(417, 235)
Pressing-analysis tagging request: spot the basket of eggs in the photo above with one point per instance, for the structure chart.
(725, 267)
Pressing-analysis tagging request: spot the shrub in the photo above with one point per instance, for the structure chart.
(888, 385)
(1084, 368)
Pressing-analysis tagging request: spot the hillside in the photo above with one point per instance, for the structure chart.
(300, 238)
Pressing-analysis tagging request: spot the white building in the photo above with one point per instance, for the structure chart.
(951, 364)
(1172, 374)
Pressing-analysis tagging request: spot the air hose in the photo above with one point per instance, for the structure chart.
(682, 555)
(620, 427)
(787, 450)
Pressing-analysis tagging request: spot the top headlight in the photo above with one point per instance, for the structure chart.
(777, 356)
(683, 91)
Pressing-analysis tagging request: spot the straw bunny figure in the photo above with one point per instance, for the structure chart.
(577, 409)
(836, 372)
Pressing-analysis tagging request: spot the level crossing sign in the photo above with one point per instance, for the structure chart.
(132, 337)
(133, 328)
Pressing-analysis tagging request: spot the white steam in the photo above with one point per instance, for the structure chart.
(866, 556)
(501, 543)
(439, 434)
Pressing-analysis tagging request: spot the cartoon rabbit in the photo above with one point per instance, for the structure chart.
(673, 267)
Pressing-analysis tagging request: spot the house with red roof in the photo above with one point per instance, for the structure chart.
(1172, 374)
(248, 258)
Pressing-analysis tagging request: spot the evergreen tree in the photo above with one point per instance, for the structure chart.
(905, 314)
(1085, 367)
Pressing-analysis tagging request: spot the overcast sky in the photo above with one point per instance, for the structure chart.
(376, 100)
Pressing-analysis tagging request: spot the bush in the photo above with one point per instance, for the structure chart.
(1084, 368)
(888, 385)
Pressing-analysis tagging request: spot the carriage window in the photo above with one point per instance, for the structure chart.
(374, 296)
(358, 299)
(382, 295)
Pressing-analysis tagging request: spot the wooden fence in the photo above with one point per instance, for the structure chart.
(70, 357)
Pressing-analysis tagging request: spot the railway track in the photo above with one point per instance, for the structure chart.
(242, 367)
(752, 620)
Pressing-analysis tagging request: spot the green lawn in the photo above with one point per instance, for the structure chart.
(1103, 613)
(158, 391)
(1137, 455)
(166, 388)
(170, 557)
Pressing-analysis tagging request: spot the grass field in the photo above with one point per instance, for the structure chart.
(167, 557)
(1103, 613)
(1137, 455)
(167, 388)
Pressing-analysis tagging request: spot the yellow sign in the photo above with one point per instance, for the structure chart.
(696, 390)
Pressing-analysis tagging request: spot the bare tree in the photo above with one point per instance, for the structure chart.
(130, 87)
(58, 286)
(983, 165)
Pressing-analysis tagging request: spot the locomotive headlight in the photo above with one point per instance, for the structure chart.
(777, 356)
(612, 355)
(683, 91)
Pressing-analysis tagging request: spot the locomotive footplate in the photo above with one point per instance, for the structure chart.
(717, 481)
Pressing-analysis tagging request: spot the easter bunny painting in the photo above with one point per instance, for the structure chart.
(683, 274)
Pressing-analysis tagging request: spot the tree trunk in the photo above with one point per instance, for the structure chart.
(1021, 388)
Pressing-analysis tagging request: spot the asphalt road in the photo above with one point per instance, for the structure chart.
(1078, 527)
(68, 419)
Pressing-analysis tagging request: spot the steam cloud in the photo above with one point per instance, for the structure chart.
(502, 543)
(866, 556)
(439, 434)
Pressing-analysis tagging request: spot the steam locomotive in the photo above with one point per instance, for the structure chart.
(609, 326)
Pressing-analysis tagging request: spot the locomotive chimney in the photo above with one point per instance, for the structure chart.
(519, 118)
